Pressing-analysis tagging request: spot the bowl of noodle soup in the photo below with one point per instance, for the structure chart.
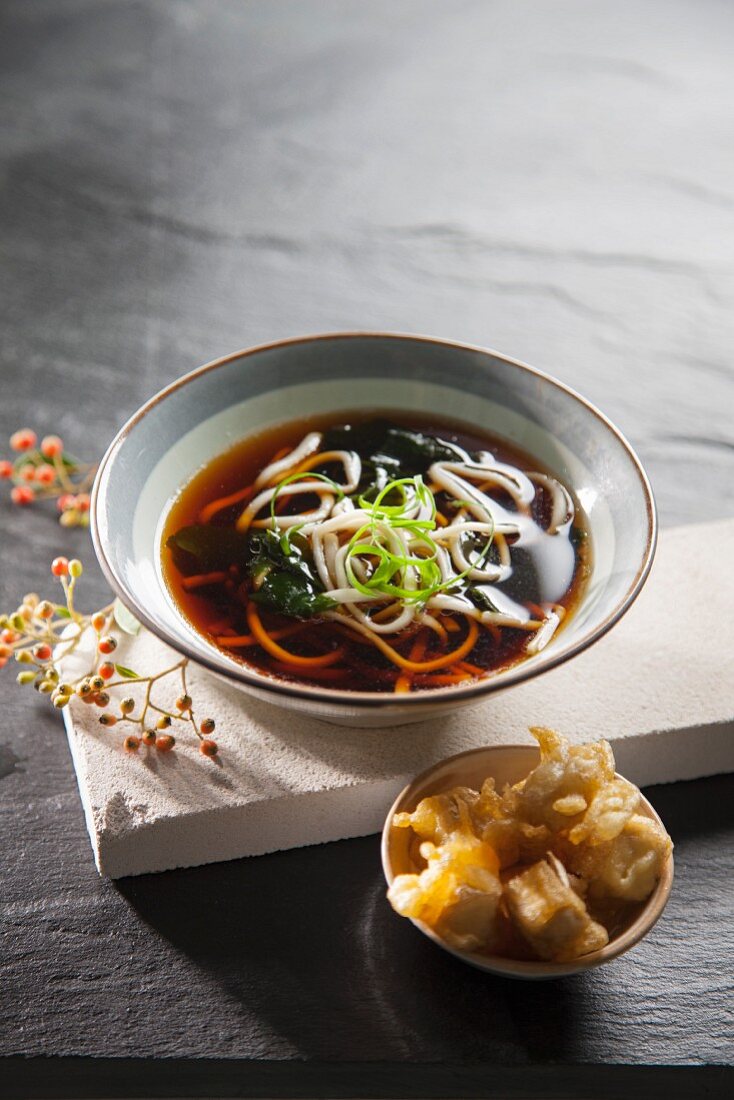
(372, 528)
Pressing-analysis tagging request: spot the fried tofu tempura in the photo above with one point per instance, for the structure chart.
(550, 915)
(458, 892)
(570, 814)
(626, 867)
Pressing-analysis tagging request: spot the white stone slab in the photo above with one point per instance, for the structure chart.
(660, 687)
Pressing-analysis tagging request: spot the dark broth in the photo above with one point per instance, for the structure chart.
(219, 609)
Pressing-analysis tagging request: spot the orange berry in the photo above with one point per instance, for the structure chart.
(127, 706)
(163, 722)
(106, 670)
(184, 702)
(98, 622)
(42, 651)
(131, 743)
(60, 567)
(81, 502)
(5, 652)
(107, 644)
(27, 472)
(107, 720)
(51, 446)
(45, 475)
(207, 725)
(22, 494)
(66, 500)
(83, 689)
(23, 440)
(9, 636)
(207, 747)
(6, 468)
(90, 698)
(149, 737)
(101, 699)
(165, 742)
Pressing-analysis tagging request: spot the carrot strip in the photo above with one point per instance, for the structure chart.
(325, 674)
(426, 666)
(441, 519)
(404, 681)
(201, 579)
(237, 640)
(384, 613)
(215, 506)
(494, 630)
(264, 639)
(438, 679)
(475, 670)
(279, 454)
(451, 625)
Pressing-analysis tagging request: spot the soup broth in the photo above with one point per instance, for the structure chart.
(375, 552)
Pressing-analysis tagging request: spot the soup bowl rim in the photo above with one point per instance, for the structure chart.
(362, 700)
(649, 913)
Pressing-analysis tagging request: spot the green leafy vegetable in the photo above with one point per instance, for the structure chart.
(126, 673)
(388, 453)
(293, 595)
(289, 582)
(201, 548)
(480, 597)
(125, 619)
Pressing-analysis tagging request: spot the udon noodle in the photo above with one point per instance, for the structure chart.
(376, 556)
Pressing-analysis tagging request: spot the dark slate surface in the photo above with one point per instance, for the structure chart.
(182, 179)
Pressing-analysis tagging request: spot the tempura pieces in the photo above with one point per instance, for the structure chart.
(550, 915)
(548, 869)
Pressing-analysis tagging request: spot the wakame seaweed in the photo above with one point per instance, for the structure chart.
(289, 584)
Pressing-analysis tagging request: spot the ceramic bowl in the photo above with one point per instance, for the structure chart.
(508, 764)
(203, 413)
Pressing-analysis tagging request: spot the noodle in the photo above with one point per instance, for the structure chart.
(414, 560)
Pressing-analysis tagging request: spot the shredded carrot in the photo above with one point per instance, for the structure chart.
(451, 625)
(238, 640)
(384, 613)
(315, 460)
(441, 519)
(475, 670)
(494, 630)
(439, 679)
(438, 662)
(264, 639)
(437, 628)
(201, 579)
(218, 626)
(325, 674)
(404, 681)
(279, 454)
(215, 506)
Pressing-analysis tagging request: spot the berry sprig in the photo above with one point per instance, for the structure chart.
(42, 635)
(46, 471)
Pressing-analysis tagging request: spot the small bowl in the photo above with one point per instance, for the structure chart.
(205, 412)
(508, 764)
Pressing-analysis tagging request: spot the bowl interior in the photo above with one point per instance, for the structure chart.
(204, 413)
(508, 764)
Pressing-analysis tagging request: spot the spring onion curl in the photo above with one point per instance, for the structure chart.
(390, 561)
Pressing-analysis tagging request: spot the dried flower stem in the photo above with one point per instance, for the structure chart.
(41, 637)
